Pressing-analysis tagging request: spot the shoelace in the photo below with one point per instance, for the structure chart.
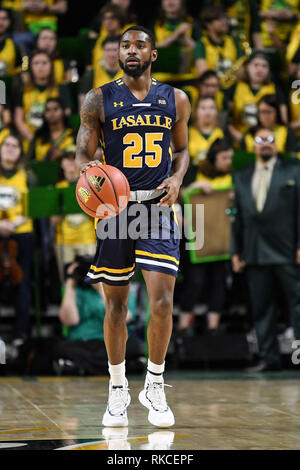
(158, 397)
(118, 400)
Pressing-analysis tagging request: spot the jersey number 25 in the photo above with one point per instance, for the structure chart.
(152, 149)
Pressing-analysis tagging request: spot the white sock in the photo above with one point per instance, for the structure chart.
(155, 371)
(117, 373)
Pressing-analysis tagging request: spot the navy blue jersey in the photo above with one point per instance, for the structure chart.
(136, 135)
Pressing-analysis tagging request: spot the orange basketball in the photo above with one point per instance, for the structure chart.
(102, 191)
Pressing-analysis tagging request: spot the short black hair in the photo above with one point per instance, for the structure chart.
(207, 74)
(212, 13)
(144, 30)
(110, 39)
(272, 101)
(258, 128)
(219, 145)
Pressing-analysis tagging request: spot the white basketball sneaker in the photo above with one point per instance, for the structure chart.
(116, 411)
(153, 397)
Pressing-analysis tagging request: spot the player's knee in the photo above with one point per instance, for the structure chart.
(117, 312)
(162, 306)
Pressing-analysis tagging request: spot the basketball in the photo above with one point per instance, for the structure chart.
(102, 191)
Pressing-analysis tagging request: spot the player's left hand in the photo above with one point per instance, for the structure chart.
(172, 186)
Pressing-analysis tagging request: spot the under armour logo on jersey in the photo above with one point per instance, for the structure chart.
(97, 182)
(118, 104)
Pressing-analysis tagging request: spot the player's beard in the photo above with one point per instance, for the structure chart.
(138, 70)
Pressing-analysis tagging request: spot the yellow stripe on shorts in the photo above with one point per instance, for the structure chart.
(152, 255)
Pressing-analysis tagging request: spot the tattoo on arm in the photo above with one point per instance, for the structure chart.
(92, 114)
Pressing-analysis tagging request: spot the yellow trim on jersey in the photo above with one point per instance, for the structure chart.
(102, 137)
(111, 270)
(147, 253)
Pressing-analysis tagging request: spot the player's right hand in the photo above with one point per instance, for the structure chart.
(89, 165)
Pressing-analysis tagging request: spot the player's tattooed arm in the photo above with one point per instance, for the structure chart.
(180, 149)
(92, 115)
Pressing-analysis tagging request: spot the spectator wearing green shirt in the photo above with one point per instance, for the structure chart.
(82, 311)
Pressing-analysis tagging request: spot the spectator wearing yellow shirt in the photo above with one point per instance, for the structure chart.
(209, 85)
(14, 183)
(248, 91)
(38, 14)
(128, 18)
(243, 20)
(75, 233)
(6, 127)
(54, 137)
(47, 41)
(112, 24)
(278, 19)
(204, 130)
(214, 173)
(292, 50)
(106, 70)
(127, 8)
(31, 101)
(269, 118)
(216, 50)
(174, 27)
(8, 52)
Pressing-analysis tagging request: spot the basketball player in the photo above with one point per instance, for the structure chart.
(138, 119)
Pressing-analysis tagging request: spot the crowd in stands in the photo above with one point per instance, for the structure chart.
(238, 61)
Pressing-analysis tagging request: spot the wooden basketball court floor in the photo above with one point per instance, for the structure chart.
(212, 411)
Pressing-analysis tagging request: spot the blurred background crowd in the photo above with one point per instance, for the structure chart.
(237, 60)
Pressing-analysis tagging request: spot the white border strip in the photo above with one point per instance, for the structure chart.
(156, 263)
(110, 278)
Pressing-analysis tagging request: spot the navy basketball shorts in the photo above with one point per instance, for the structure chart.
(142, 236)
